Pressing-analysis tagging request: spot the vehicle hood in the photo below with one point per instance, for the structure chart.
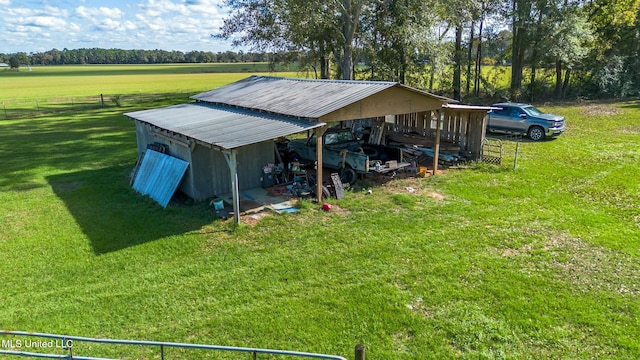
(550, 117)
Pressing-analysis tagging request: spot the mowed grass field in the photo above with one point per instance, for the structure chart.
(486, 262)
(53, 82)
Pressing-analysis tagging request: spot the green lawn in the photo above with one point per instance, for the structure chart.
(488, 262)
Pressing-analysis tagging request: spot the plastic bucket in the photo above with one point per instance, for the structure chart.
(218, 205)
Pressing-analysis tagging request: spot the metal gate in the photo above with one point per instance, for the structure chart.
(495, 150)
(66, 344)
(492, 151)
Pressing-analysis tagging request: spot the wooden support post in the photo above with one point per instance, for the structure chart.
(436, 151)
(360, 355)
(319, 131)
(515, 160)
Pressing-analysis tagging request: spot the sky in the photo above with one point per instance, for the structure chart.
(41, 25)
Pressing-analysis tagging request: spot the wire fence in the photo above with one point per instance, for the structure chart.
(17, 108)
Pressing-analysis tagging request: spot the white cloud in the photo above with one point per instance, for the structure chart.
(54, 11)
(83, 12)
(38, 21)
(156, 8)
(89, 13)
(21, 12)
(5, 2)
(73, 27)
(45, 11)
(206, 7)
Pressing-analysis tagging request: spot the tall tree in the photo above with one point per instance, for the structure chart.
(300, 27)
(457, 64)
(394, 34)
(570, 41)
(349, 11)
(520, 20)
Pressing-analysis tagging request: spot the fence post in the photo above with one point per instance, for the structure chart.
(360, 352)
(515, 160)
(102, 100)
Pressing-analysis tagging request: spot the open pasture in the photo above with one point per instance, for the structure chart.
(56, 88)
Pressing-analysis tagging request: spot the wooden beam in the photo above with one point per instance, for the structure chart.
(436, 152)
(391, 101)
(319, 131)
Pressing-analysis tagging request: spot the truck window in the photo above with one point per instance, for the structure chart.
(503, 111)
(515, 113)
(338, 137)
(532, 111)
(331, 138)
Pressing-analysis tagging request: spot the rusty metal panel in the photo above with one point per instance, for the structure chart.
(159, 176)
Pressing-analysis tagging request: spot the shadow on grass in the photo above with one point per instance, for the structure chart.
(113, 216)
(86, 159)
(34, 147)
(631, 104)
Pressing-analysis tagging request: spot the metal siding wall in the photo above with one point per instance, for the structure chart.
(210, 173)
(143, 136)
(251, 159)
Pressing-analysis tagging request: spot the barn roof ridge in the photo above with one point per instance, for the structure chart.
(305, 98)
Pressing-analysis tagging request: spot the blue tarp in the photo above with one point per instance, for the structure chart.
(159, 176)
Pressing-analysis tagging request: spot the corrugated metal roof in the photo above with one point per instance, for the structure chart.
(299, 97)
(159, 176)
(222, 126)
(468, 107)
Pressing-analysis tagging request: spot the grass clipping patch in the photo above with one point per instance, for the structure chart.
(587, 267)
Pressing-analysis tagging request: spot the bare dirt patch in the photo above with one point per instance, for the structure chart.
(411, 186)
(510, 252)
(635, 130)
(600, 110)
(253, 219)
(592, 267)
(585, 266)
(339, 211)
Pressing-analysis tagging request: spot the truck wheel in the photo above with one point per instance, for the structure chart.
(536, 133)
(326, 194)
(348, 175)
(370, 152)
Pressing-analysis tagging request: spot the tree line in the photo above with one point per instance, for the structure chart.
(119, 56)
(587, 47)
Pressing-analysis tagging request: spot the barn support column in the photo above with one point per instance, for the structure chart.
(319, 131)
(232, 160)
